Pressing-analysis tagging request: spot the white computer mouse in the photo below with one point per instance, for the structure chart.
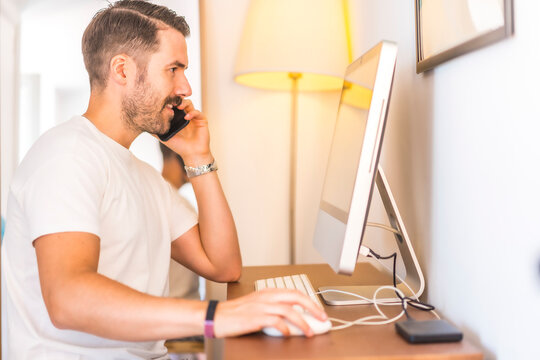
(318, 326)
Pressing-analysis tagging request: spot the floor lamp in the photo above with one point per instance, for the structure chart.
(294, 45)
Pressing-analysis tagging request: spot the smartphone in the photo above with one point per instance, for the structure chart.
(177, 123)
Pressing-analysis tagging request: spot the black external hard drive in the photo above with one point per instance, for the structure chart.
(429, 331)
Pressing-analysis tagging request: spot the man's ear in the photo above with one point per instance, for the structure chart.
(121, 69)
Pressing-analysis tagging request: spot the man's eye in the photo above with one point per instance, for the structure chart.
(173, 69)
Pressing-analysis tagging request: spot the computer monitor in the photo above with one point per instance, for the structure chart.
(353, 170)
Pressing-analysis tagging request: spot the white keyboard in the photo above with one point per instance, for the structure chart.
(299, 282)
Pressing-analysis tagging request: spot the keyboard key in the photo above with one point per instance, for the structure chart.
(288, 282)
(260, 284)
(296, 282)
(279, 283)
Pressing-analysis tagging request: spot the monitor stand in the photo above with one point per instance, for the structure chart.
(414, 277)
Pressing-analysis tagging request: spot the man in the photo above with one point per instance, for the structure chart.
(92, 228)
(183, 283)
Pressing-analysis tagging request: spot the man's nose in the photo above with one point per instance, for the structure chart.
(183, 88)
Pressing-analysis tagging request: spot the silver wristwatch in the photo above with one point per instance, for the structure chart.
(200, 170)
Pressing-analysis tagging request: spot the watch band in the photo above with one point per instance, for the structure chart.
(200, 170)
(209, 321)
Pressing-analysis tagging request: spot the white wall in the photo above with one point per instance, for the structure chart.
(9, 87)
(51, 34)
(248, 137)
(462, 156)
(9, 54)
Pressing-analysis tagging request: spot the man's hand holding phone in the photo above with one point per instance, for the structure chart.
(178, 122)
(192, 141)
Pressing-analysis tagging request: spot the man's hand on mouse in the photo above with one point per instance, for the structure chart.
(265, 308)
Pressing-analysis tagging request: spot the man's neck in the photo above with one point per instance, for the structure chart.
(106, 115)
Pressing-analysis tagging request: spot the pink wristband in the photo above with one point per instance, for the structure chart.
(209, 321)
(209, 329)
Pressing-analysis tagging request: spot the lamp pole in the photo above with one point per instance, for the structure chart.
(294, 76)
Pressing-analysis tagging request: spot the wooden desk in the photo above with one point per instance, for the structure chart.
(357, 342)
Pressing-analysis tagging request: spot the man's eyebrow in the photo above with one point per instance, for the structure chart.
(177, 64)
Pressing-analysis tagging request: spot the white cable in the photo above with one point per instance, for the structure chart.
(368, 319)
(407, 285)
(388, 228)
(363, 251)
(365, 321)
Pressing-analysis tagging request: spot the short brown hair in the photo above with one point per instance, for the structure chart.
(129, 27)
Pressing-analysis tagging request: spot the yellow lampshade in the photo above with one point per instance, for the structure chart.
(304, 37)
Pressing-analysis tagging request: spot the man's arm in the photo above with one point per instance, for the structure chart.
(211, 248)
(79, 298)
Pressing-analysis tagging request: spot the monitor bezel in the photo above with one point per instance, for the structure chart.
(367, 165)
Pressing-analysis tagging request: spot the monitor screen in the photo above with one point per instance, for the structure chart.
(353, 159)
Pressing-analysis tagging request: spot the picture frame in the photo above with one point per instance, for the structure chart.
(446, 29)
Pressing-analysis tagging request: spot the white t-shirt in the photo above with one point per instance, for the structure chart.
(75, 178)
(186, 191)
(183, 282)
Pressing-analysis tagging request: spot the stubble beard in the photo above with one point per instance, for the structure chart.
(141, 112)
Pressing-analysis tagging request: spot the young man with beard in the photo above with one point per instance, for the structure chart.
(92, 228)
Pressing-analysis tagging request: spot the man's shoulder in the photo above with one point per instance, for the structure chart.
(69, 142)
(65, 137)
(69, 135)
